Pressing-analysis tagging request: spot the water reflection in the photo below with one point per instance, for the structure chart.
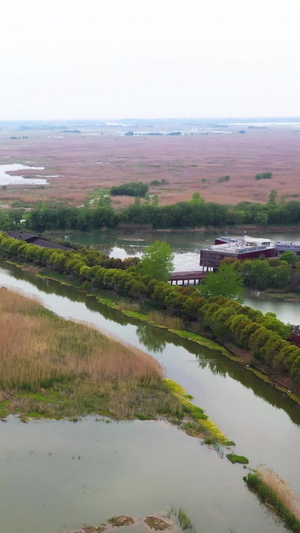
(150, 338)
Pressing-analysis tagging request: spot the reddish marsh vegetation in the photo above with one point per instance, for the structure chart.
(191, 163)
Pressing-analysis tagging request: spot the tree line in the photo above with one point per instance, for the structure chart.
(192, 214)
(275, 273)
(263, 336)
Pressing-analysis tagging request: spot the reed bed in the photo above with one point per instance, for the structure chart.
(170, 322)
(127, 306)
(277, 494)
(77, 368)
(281, 489)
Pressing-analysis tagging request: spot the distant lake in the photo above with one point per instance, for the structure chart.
(7, 179)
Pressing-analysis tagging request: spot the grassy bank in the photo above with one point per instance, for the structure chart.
(172, 323)
(54, 368)
(280, 296)
(196, 423)
(277, 494)
(143, 312)
(51, 367)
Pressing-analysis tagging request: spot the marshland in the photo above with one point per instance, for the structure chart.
(173, 470)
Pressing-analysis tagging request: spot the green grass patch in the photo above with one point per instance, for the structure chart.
(138, 315)
(195, 429)
(174, 387)
(59, 278)
(233, 458)
(106, 301)
(48, 274)
(192, 410)
(203, 341)
(213, 430)
(200, 424)
(271, 497)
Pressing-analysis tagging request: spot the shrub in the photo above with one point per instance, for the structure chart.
(223, 179)
(264, 176)
(233, 458)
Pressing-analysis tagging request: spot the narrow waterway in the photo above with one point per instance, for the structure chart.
(186, 246)
(155, 465)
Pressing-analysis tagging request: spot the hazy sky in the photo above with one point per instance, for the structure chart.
(149, 58)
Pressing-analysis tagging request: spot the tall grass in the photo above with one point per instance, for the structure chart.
(127, 306)
(281, 489)
(39, 348)
(171, 322)
(273, 490)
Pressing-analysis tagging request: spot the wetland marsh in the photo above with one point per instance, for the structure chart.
(156, 465)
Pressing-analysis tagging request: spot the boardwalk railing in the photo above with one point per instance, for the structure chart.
(188, 276)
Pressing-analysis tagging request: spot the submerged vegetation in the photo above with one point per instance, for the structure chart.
(153, 523)
(184, 520)
(277, 494)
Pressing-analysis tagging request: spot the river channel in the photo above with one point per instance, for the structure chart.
(186, 246)
(60, 475)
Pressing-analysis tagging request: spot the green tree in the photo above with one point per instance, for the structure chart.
(155, 199)
(261, 218)
(290, 257)
(273, 197)
(226, 282)
(197, 198)
(158, 261)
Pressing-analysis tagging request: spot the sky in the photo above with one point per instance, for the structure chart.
(99, 59)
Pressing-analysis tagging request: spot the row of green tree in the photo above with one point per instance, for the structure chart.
(194, 213)
(263, 335)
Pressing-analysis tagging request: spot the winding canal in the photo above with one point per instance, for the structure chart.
(58, 475)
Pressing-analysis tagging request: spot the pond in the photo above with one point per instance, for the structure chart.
(6, 178)
(142, 468)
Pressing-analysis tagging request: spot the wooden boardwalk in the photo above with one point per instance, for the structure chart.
(193, 275)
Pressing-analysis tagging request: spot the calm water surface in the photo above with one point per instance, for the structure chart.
(7, 179)
(57, 476)
(139, 467)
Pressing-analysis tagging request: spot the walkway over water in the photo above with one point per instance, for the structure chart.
(195, 275)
